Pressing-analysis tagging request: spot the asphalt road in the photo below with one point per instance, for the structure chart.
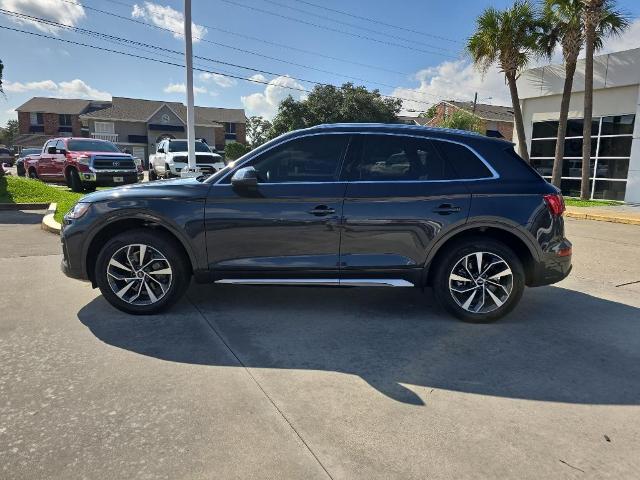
(251, 382)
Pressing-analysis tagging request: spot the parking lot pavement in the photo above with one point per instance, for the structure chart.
(250, 382)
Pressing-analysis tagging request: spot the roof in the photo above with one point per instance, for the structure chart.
(412, 120)
(485, 111)
(70, 106)
(31, 140)
(134, 109)
(610, 70)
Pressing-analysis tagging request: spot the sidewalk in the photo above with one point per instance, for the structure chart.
(617, 214)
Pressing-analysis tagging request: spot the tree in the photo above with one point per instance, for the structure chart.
(462, 120)
(598, 17)
(330, 104)
(430, 113)
(258, 130)
(564, 26)
(9, 133)
(234, 150)
(510, 39)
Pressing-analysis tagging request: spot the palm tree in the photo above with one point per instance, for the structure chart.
(510, 39)
(564, 26)
(597, 17)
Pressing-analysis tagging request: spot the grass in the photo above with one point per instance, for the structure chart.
(25, 190)
(576, 202)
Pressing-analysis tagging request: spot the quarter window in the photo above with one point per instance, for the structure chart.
(315, 158)
(464, 162)
(396, 158)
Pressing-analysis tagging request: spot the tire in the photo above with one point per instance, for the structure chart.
(21, 171)
(167, 289)
(152, 174)
(474, 296)
(33, 174)
(74, 181)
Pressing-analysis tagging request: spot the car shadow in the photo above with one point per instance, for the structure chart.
(558, 345)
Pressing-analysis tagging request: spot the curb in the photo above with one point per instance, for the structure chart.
(23, 206)
(602, 217)
(48, 222)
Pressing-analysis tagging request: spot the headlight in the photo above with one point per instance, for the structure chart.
(84, 159)
(78, 210)
(137, 161)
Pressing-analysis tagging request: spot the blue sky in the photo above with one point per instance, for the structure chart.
(429, 67)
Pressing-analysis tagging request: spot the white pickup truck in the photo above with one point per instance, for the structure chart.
(171, 157)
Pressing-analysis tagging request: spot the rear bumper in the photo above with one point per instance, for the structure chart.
(108, 179)
(554, 266)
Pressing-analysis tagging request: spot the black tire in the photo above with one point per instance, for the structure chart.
(75, 184)
(21, 171)
(455, 254)
(152, 174)
(33, 174)
(162, 243)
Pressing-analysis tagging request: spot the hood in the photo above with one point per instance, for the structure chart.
(179, 188)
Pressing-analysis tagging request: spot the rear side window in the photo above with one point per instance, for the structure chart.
(396, 158)
(466, 164)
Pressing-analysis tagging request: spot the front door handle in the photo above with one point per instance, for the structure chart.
(322, 210)
(446, 209)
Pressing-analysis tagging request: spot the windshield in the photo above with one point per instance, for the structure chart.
(181, 146)
(91, 146)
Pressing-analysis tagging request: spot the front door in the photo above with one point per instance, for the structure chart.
(287, 226)
(401, 194)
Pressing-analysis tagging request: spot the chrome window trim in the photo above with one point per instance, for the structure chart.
(494, 174)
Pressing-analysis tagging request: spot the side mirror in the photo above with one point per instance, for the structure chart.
(160, 150)
(52, 150)
(245, 177)
(62, 151)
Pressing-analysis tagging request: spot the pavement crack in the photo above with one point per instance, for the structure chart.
(628, 283)
(569, 465)
(255, 380)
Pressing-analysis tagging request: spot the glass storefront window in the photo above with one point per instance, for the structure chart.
(608, 190)
(615, 147)
(545, 130)
(618, 125)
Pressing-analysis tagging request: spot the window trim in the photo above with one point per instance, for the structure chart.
(494, 174)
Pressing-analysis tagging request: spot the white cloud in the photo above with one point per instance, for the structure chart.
(67, 13)
(266, 103)
(454, 80)
(181, 88)
(72, 89)
(629, 39)
(167, 17)
(258, 77)
(220, 80)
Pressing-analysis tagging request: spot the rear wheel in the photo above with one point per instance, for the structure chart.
(142, 271)
(479, 280)
(33, 174)
(152, 174)
(74, 181)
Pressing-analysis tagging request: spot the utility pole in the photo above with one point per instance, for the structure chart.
(475, 103)
(191, 130)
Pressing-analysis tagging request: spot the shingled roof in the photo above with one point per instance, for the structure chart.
(134, 109)
(496, 113)
(65, 106)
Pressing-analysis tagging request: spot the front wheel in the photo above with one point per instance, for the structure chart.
(142, 271)
(74, 181)
(479, 280)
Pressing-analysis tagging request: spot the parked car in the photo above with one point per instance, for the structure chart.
(340, 205)
(84, 164)
(23, 158)
(172, 156)
(6, 157)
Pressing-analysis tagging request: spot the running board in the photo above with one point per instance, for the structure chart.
(334, 282)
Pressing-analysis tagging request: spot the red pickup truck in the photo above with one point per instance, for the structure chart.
(84, 164)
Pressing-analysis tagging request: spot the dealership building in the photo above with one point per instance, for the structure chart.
(615, 133)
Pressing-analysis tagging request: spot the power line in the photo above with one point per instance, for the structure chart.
(336, 30)
(353, 25)
(142, 57)
(379, 22)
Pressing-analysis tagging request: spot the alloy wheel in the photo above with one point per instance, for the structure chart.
(481, 282)
(139, 274)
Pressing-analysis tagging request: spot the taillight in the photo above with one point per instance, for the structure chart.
(555, 203)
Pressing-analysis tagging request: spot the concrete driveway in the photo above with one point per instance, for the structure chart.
(264, 382)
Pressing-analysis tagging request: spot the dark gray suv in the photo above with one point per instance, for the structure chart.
(341, 205)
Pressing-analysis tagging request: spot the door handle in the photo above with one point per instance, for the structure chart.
(322, 210)
(446, 209)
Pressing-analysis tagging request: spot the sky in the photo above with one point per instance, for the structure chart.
(412, 49)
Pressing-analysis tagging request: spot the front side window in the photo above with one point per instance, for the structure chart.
(396, 158)
(91, 146)
(315, 158)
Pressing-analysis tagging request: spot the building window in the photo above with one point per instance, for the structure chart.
(104, 127)
(610, 152)
(65, 120)
(229, 127)
(35, 118)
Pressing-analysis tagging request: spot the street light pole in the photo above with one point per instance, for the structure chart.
(188, 53)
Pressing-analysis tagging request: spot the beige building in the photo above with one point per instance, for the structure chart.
(615, 145)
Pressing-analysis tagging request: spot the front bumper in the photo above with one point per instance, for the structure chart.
(111, 178)
(69, 265)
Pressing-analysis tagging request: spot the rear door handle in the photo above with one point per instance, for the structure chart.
(446, 209)
(322, 210)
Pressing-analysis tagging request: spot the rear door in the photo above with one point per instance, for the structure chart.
(289, 225)
(58, 161)
(45, 161)
(401, 193)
